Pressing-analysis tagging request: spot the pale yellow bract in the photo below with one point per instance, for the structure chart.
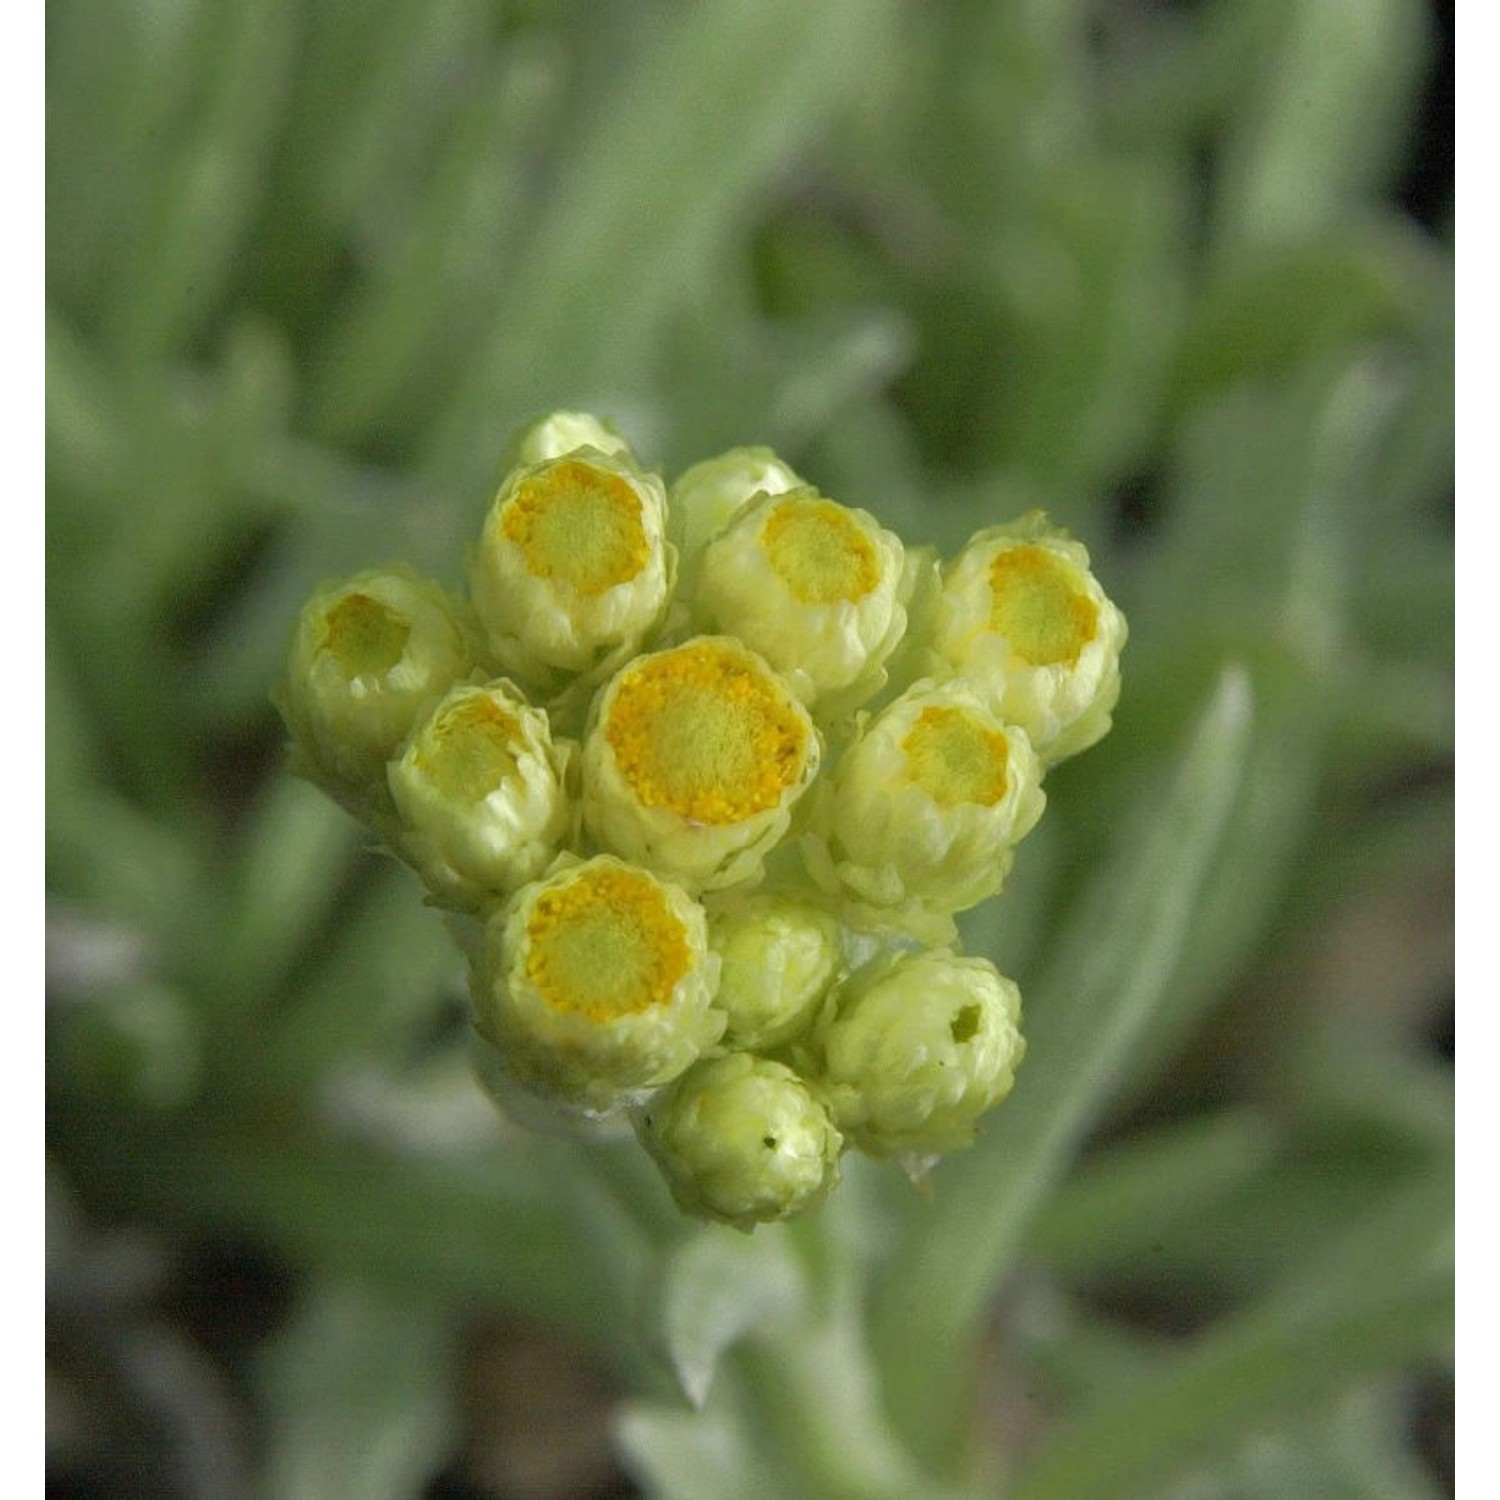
(707, 497)
(780, 956)
(743, 1140)
(914, 1048)
(564, 432)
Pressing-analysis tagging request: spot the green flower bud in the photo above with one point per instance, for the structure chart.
(914, 1047)
(740, 1139)
(705, 499)
(1023, 618)
(369, 657)
(814, 587)
(780, 957)
(923, 810)
(572, 569)
(565, 432)
(595, 984)
(694, 761)
(480, 794)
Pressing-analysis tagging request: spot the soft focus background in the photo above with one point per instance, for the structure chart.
(1180, 273)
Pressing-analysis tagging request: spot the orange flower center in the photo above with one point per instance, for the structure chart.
(707, 732)
(578, 524)
(606, 944)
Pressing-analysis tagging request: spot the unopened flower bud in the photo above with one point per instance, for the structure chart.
(913, 1048)
(780, 957)
(741, 1139)
(1022, 617)
(480, 794)
(814, 587)
(694, 760)
(595, 984)
(923, 811)
(563, 432)
(370, 656)
(705, 499)
(572, 568)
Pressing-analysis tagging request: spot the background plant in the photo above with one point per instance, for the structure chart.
(1161, 269)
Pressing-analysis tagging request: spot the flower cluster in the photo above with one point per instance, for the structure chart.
(706, 774)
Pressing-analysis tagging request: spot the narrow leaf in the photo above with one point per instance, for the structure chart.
(356, 1392)
(718, 1287)
(1380, 1299)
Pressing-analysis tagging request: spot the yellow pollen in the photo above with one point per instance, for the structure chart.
(364, 637)
(578, 524)
(606, 944)
(952, 757)
(820, 552)
(467, 749)
(706, 733)
(1037, 606)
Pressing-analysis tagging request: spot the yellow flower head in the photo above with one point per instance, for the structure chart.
(815, 587)
(1022, 618)
(923, 811)
(596, 983)
(694, 760)
(480, 793)
(370, 656)
(572, 568)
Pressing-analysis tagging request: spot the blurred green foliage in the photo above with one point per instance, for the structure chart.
(1144, 264)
